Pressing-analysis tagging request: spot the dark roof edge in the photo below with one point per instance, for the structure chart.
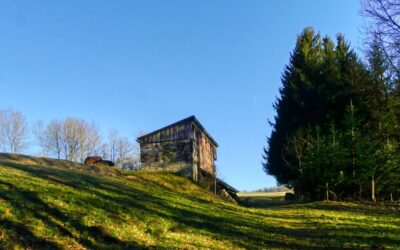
(190, 118)
(227, 186)
(219, 181)
(204, 130)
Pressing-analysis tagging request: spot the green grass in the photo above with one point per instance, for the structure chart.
(49, 204)
(263, 199)
(279, 195)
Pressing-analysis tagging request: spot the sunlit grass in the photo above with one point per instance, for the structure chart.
(281, 195)
(70, 207)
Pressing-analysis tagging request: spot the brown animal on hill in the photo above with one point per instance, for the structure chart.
(91, 160)
(108, 163)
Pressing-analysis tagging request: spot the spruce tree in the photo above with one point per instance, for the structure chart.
(317, 85)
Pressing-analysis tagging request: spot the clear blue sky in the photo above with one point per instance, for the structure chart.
(140, 65)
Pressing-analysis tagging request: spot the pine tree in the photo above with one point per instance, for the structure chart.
(318, 84)
(294, 104)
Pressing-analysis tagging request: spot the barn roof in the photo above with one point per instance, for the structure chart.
(188, 119)
(220, 182)
(227, 186)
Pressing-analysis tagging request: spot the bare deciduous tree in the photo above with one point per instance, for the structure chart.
(104, 151)
(38, 131)
(122, 151)
(54, 137)
(384, 26)
(112, 143)
(13, 131)
(89, 139)
(72, 139)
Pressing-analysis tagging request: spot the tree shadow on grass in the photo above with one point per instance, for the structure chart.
(20, 233)
(319, 233)
(243, 233)
(267, 202)
(27, 203)
(249, 234)
(362, 209)
(127, 197)
(227, 225)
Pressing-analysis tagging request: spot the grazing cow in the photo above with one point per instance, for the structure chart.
(92, 160)
(108, 163)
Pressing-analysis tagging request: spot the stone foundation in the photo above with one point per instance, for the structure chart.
(173, 156)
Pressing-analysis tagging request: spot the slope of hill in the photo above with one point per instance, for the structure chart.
(52, 204)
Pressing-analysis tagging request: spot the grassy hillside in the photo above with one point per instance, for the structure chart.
(263, 199)
(61, 205)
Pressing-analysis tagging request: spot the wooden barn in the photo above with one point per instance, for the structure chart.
(184, 147)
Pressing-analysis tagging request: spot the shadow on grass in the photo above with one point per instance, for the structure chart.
(28, 204)
(25, 237)
(113, 196)
(363, 209)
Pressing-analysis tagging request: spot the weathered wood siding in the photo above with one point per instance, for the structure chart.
(182, 148)
(179, 132)
(206, 151)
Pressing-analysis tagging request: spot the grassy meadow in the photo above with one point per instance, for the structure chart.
(51, 204)
(262, 199)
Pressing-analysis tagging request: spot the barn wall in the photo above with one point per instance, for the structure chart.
(183, 148)
(174, 156)
(178, 132)
(206, 151)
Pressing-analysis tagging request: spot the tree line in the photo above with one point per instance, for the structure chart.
(336, 130)
(71, 139)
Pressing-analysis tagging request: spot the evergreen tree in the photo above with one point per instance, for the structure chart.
(318, 84)
(294, 104)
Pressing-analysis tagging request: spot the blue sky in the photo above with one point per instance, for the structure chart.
(140, 65)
